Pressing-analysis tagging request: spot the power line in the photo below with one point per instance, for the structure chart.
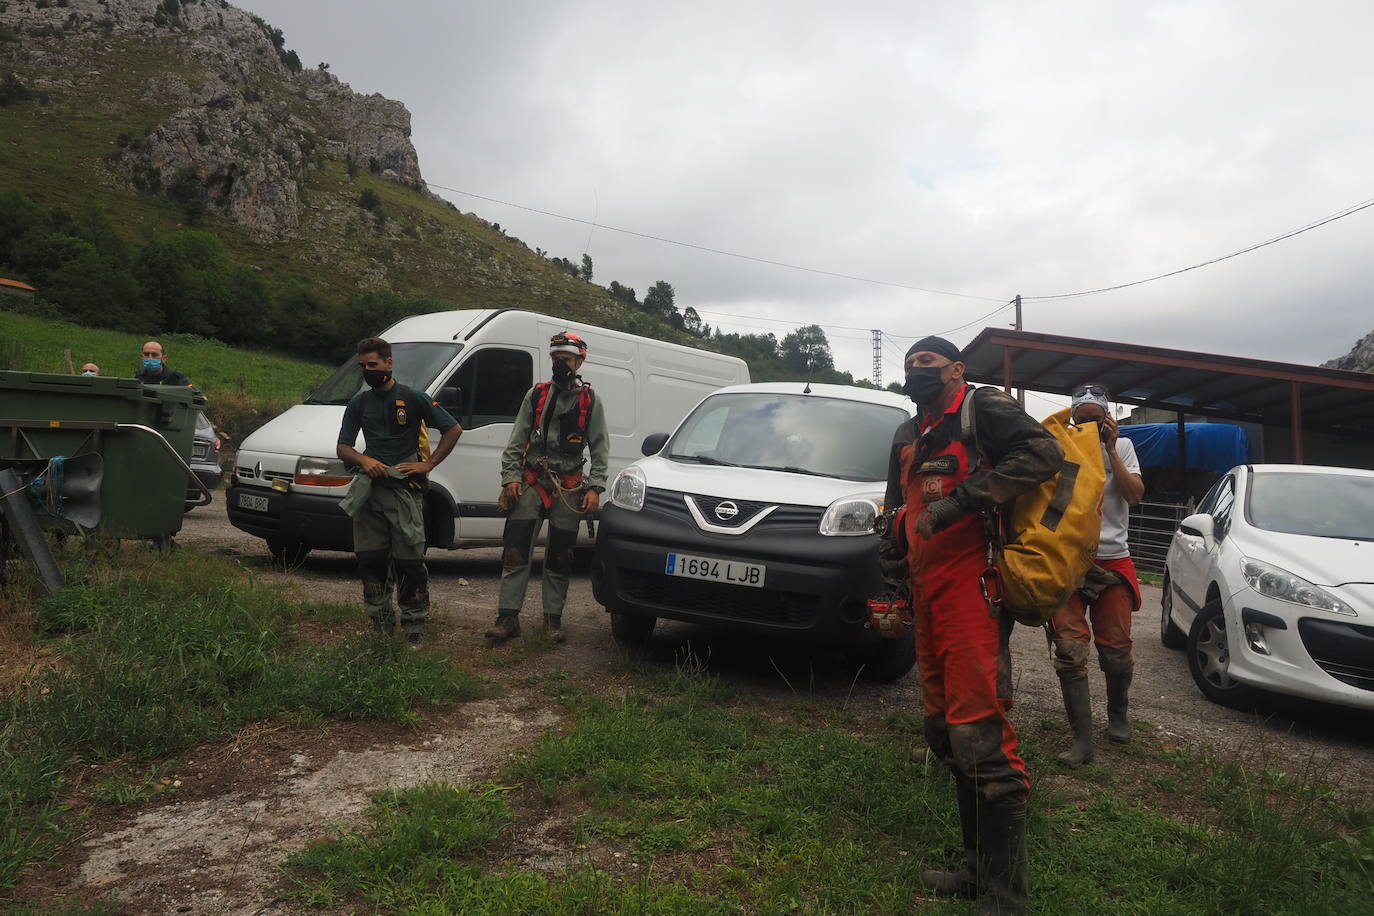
(1341, 214)
(707, 248)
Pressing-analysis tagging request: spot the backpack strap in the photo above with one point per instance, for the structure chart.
(968, 430)
(542, 398)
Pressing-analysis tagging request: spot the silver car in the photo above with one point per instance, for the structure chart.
(205, 448)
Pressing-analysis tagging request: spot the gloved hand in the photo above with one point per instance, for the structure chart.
(892, 562)
(938, 516)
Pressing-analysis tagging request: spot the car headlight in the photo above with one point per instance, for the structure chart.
(628, 489)
(1273, 582)
(322, 472)
(851, 516)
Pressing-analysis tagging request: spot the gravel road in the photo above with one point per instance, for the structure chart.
(1312, 740)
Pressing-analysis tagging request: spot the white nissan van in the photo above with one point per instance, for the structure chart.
(478, 364)
(757, 515)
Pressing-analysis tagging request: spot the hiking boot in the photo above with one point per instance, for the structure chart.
(413, 641)
(1080, 713)
(553, 629)
(506, 627)
(1118, 718)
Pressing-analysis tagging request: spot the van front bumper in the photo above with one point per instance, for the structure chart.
(314, 521)
(815, 587)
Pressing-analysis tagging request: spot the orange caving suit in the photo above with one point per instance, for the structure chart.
(962, 650)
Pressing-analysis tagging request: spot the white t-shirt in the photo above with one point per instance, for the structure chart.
(1115, 510)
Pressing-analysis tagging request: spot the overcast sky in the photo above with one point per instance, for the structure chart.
(985, 148)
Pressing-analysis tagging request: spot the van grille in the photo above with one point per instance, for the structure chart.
(670, 503)
(716, 599)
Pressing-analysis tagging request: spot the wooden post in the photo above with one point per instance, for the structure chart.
(1295, 392)
(67, 358)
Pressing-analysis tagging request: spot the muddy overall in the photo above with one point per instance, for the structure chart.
(389, 541)
(522, 528)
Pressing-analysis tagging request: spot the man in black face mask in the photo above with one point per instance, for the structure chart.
(541, 475)
(386, 499)
(949, 482)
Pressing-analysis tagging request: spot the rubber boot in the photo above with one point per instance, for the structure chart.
(964, 882)
(1118, 717)
(1002, 857)
(1080, 713)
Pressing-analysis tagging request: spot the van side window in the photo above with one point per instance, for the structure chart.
(493, 383)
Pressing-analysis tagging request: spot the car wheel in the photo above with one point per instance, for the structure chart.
(1209, 660)
(288, 553)
(632, 630)
(1169, 633)
(889, 659)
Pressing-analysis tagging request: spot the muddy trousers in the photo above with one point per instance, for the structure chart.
(1104, 621)
(522, 528)
(389, 541)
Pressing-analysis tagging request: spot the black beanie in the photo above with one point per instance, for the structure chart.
(936, 345)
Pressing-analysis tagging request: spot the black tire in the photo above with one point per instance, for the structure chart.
(632, 630)
(1209, 660)
(1169, 633)
(288, 553)
(889, 659)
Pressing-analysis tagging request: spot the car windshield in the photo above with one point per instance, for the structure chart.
(1320, 505)
(802, 434)
(417, 365)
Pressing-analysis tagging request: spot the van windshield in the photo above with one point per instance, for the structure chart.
(417, 365)
(801, 434)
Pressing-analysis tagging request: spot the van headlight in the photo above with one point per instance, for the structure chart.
(1273, 582)
(321, 472)
(628, 489)
(851, 516)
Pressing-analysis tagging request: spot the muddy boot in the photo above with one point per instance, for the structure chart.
(1080, 714)
(553, 629)
(1118, 718)
(506, 627)
(1002, 857)
(964, 882)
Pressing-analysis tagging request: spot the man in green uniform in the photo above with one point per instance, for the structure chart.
(386, 499)
(541, 477)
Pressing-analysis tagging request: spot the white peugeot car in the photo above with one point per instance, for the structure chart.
(1270, 586)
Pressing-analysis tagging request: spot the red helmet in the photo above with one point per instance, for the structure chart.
(568, 342)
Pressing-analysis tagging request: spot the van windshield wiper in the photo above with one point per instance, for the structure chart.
(790, 469)
(706, 459)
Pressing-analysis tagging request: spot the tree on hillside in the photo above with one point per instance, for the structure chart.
(659, 300)
(625, 294)
(586, 267)
(691, 321)
(807, 349)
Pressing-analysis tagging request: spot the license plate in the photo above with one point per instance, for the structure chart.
(250, 501)
(731, 571)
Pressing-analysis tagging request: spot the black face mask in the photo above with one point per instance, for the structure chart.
(562, 372)
(923, 384)
(376, 378)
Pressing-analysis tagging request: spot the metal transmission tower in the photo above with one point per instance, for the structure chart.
(877, 357)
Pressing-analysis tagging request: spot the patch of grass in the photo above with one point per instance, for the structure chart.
(166, 651)
(124, 788)
(712, 806)
(1149, 578)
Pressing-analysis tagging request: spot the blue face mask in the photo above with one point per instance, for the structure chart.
(88, 373)
(152, 364)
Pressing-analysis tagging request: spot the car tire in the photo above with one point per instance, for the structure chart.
(1209, 660)
(632, 630)
(889, 659)
(288, 553)
(1169, 633)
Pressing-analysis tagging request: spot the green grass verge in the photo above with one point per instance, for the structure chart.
(711, 806)
(161, 653)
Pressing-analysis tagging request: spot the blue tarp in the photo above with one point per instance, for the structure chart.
(1216, 447)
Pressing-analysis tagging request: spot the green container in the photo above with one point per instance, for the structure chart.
(143, 490)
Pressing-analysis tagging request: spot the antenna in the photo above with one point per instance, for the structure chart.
(810, 371)
(877, 357)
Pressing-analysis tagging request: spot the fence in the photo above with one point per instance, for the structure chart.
(1150, 529)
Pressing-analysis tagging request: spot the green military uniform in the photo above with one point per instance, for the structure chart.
(388, 512)
(547, 460)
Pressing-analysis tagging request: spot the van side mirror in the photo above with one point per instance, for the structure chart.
(1200, 525)
(451, 398)
(653, 444)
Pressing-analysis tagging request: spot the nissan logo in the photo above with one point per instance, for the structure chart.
(726, 511)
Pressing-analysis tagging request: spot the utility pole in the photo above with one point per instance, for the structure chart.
(1020, 392)
(877, 356)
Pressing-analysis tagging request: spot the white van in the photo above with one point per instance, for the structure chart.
(478, 364)
(757, 515)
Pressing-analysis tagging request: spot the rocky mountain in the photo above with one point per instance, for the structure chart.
(1360, 358)
(175, 113)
